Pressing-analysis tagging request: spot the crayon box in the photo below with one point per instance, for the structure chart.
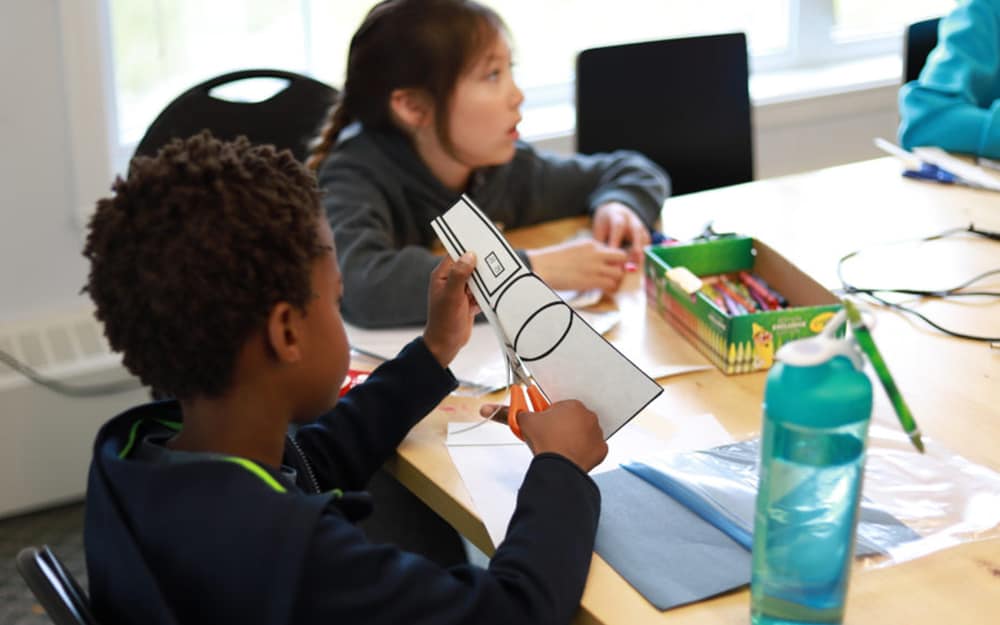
(735, 343)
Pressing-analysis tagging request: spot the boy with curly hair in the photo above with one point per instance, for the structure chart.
(214, 273)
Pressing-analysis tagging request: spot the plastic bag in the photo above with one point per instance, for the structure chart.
(912, 504)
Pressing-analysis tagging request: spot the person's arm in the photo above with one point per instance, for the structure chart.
(955, 104)
(348, 444)
(557, 186)
(536, 576)
(623, 191)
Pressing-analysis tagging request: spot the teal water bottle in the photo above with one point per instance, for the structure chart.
(817, 405)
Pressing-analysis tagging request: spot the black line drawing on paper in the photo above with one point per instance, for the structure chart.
(565, 355)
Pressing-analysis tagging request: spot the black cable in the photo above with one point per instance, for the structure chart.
(90, 390)
(956, 291)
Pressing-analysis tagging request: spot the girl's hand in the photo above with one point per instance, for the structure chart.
(580, 265)
(451, 308)
(616, 224)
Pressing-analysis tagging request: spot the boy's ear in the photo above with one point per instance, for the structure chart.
(284, 333)
(411, 107)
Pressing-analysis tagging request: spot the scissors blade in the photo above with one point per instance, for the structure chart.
(517, 368)
(519, 373)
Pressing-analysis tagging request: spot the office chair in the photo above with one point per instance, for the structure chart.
(684, 103)
(288, 119)
(918, 41)
(61, 596)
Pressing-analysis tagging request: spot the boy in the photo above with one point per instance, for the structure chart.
(214, 273)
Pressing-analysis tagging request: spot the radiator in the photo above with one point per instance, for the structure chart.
(46, 438)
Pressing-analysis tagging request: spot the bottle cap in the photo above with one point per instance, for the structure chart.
(821, 348)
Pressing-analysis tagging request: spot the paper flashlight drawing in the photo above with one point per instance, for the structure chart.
(568, 358)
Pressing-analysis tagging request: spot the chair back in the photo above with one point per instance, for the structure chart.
(918, 41)
(288, 119)
(684, 103)
(62, 597)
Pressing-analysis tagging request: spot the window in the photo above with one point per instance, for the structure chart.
(158, 48)
(854, 19)
(161, 47)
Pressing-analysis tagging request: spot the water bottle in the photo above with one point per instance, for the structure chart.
(817, 405)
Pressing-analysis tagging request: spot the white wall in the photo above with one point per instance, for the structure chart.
(796, 136)
(40, 263)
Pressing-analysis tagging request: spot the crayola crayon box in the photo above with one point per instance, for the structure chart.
(736, 342)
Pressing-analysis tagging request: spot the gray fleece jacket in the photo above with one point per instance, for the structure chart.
(380, 199)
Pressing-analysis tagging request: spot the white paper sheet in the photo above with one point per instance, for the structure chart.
(969, 173)
(492, 462)
(565, 355)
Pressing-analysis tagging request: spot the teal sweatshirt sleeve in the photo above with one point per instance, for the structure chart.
(955, 104)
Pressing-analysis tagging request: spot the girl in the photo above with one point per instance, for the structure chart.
(429, 110)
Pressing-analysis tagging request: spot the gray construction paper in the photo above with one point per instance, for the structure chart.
(665, 551)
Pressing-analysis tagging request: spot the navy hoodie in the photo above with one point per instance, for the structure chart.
(228, 540)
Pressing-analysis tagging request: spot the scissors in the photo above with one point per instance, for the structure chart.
(525, 395)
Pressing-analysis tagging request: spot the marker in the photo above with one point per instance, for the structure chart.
(733, 308)
(728, 293)
(741, 289)
(778, 297)
(759, 293)
(867, 344)
(931, 172)
(713, 295)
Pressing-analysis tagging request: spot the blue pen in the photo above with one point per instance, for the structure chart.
(929, 171)
(926, 171)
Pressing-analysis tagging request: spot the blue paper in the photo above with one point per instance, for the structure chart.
(679, 527)
(660, 547)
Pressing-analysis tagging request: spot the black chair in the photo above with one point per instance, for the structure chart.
(62, 597)
(287, 119)
(684, 103)
(918, 41)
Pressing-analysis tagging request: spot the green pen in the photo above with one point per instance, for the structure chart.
(867, 344)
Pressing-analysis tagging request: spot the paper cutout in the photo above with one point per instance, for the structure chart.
(479, 366)
(567, 357)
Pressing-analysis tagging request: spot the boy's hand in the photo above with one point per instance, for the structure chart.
(451, 308)
(567, 428)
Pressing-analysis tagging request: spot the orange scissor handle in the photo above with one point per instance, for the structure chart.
(524, 399)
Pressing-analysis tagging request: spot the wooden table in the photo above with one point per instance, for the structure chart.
(952, 385)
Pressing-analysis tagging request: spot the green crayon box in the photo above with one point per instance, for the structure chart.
(735, 343)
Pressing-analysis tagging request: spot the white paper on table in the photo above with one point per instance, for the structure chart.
(480, 363)
(565, 355)
(580, 300)
(492, 462)
(968, 172)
